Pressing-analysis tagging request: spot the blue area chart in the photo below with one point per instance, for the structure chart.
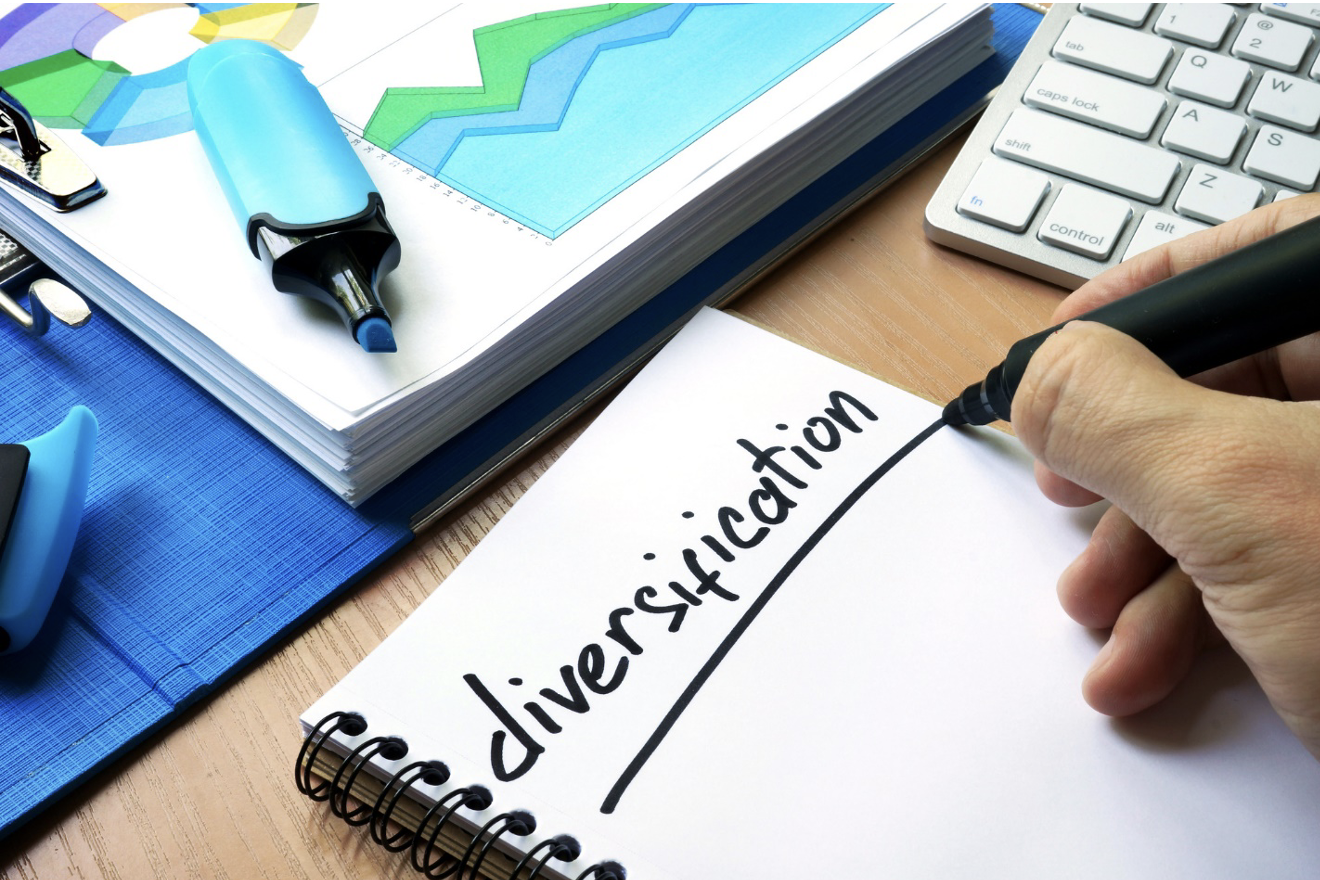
(606, 108)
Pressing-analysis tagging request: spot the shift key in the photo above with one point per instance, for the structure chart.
(1099, 158)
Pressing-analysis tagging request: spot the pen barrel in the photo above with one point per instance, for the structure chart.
(276, 149)
(1242, 303)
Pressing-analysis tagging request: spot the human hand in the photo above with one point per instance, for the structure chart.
(1214, 532)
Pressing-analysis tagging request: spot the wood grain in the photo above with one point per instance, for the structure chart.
(213, 796)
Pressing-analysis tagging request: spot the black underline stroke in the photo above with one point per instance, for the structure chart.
(671, 717)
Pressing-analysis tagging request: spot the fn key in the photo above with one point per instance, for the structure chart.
(1004, 193)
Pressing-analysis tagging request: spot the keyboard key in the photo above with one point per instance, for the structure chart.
(1269, 41)
(1306, 13)
(1114, 49)
(1285, 157)
(1085, 221)
(1213, 195)
(1204, 132)
(1095, 98)
(1201, 23)
(1286, 100)
(1130, 14)
(1212, 78)
(1156, 228)
(1285, 194)
(1109, 161)
(1004, 194)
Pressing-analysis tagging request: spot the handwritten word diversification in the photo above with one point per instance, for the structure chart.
(782, 471)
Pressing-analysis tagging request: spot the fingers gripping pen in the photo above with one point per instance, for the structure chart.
(1242, 303)
(306, 204)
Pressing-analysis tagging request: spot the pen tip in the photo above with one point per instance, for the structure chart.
(953, 414)
(375, 335)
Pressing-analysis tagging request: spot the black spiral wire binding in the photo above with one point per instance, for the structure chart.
(351, 723)
(391, 748)
(517, 822)
(561, 847)
(425, 856)
(607, 870)
(430, 772)
(476, 798)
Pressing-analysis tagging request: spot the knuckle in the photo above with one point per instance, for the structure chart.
(1043, 404)
(1077, 401)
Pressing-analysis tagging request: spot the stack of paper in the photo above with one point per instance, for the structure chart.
(546, 174)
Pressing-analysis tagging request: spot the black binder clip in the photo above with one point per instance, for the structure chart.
(47, 297)
(33, 159)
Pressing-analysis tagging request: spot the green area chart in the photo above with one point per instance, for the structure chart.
(577, 105)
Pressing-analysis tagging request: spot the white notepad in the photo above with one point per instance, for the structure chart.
(901, 695)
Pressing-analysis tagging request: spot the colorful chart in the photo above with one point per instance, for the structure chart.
(505, 53)
(574, 106)
(578, 105)
(46, 62)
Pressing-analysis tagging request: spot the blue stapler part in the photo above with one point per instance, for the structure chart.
(45, 524)
(302, 197)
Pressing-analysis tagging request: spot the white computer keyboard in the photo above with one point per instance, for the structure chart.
(1125, 125)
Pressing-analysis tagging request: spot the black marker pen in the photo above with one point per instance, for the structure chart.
(1242, 303)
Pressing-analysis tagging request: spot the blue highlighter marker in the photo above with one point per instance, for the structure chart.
(307, 206)
(43, 484)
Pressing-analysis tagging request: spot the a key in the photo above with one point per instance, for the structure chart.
(1113, 49)
(1203, 24)
(1270, 41)
(1287, 100)
(1204, 132)
(1285, 157)
(1209, 77)
(1109, 161)
(1085, 221)
(1305, 13)
(1214, 196)
(1004, 194)
(1285, 194)
(1096, 98)
(1156, 228)
(1130, 14)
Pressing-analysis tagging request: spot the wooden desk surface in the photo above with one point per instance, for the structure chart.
(213, 795)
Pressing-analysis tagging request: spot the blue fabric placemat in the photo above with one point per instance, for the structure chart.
(200, 544)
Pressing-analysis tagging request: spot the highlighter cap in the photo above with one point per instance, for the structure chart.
(274, 145)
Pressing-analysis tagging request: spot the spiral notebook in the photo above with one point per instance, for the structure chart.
(720, 639)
